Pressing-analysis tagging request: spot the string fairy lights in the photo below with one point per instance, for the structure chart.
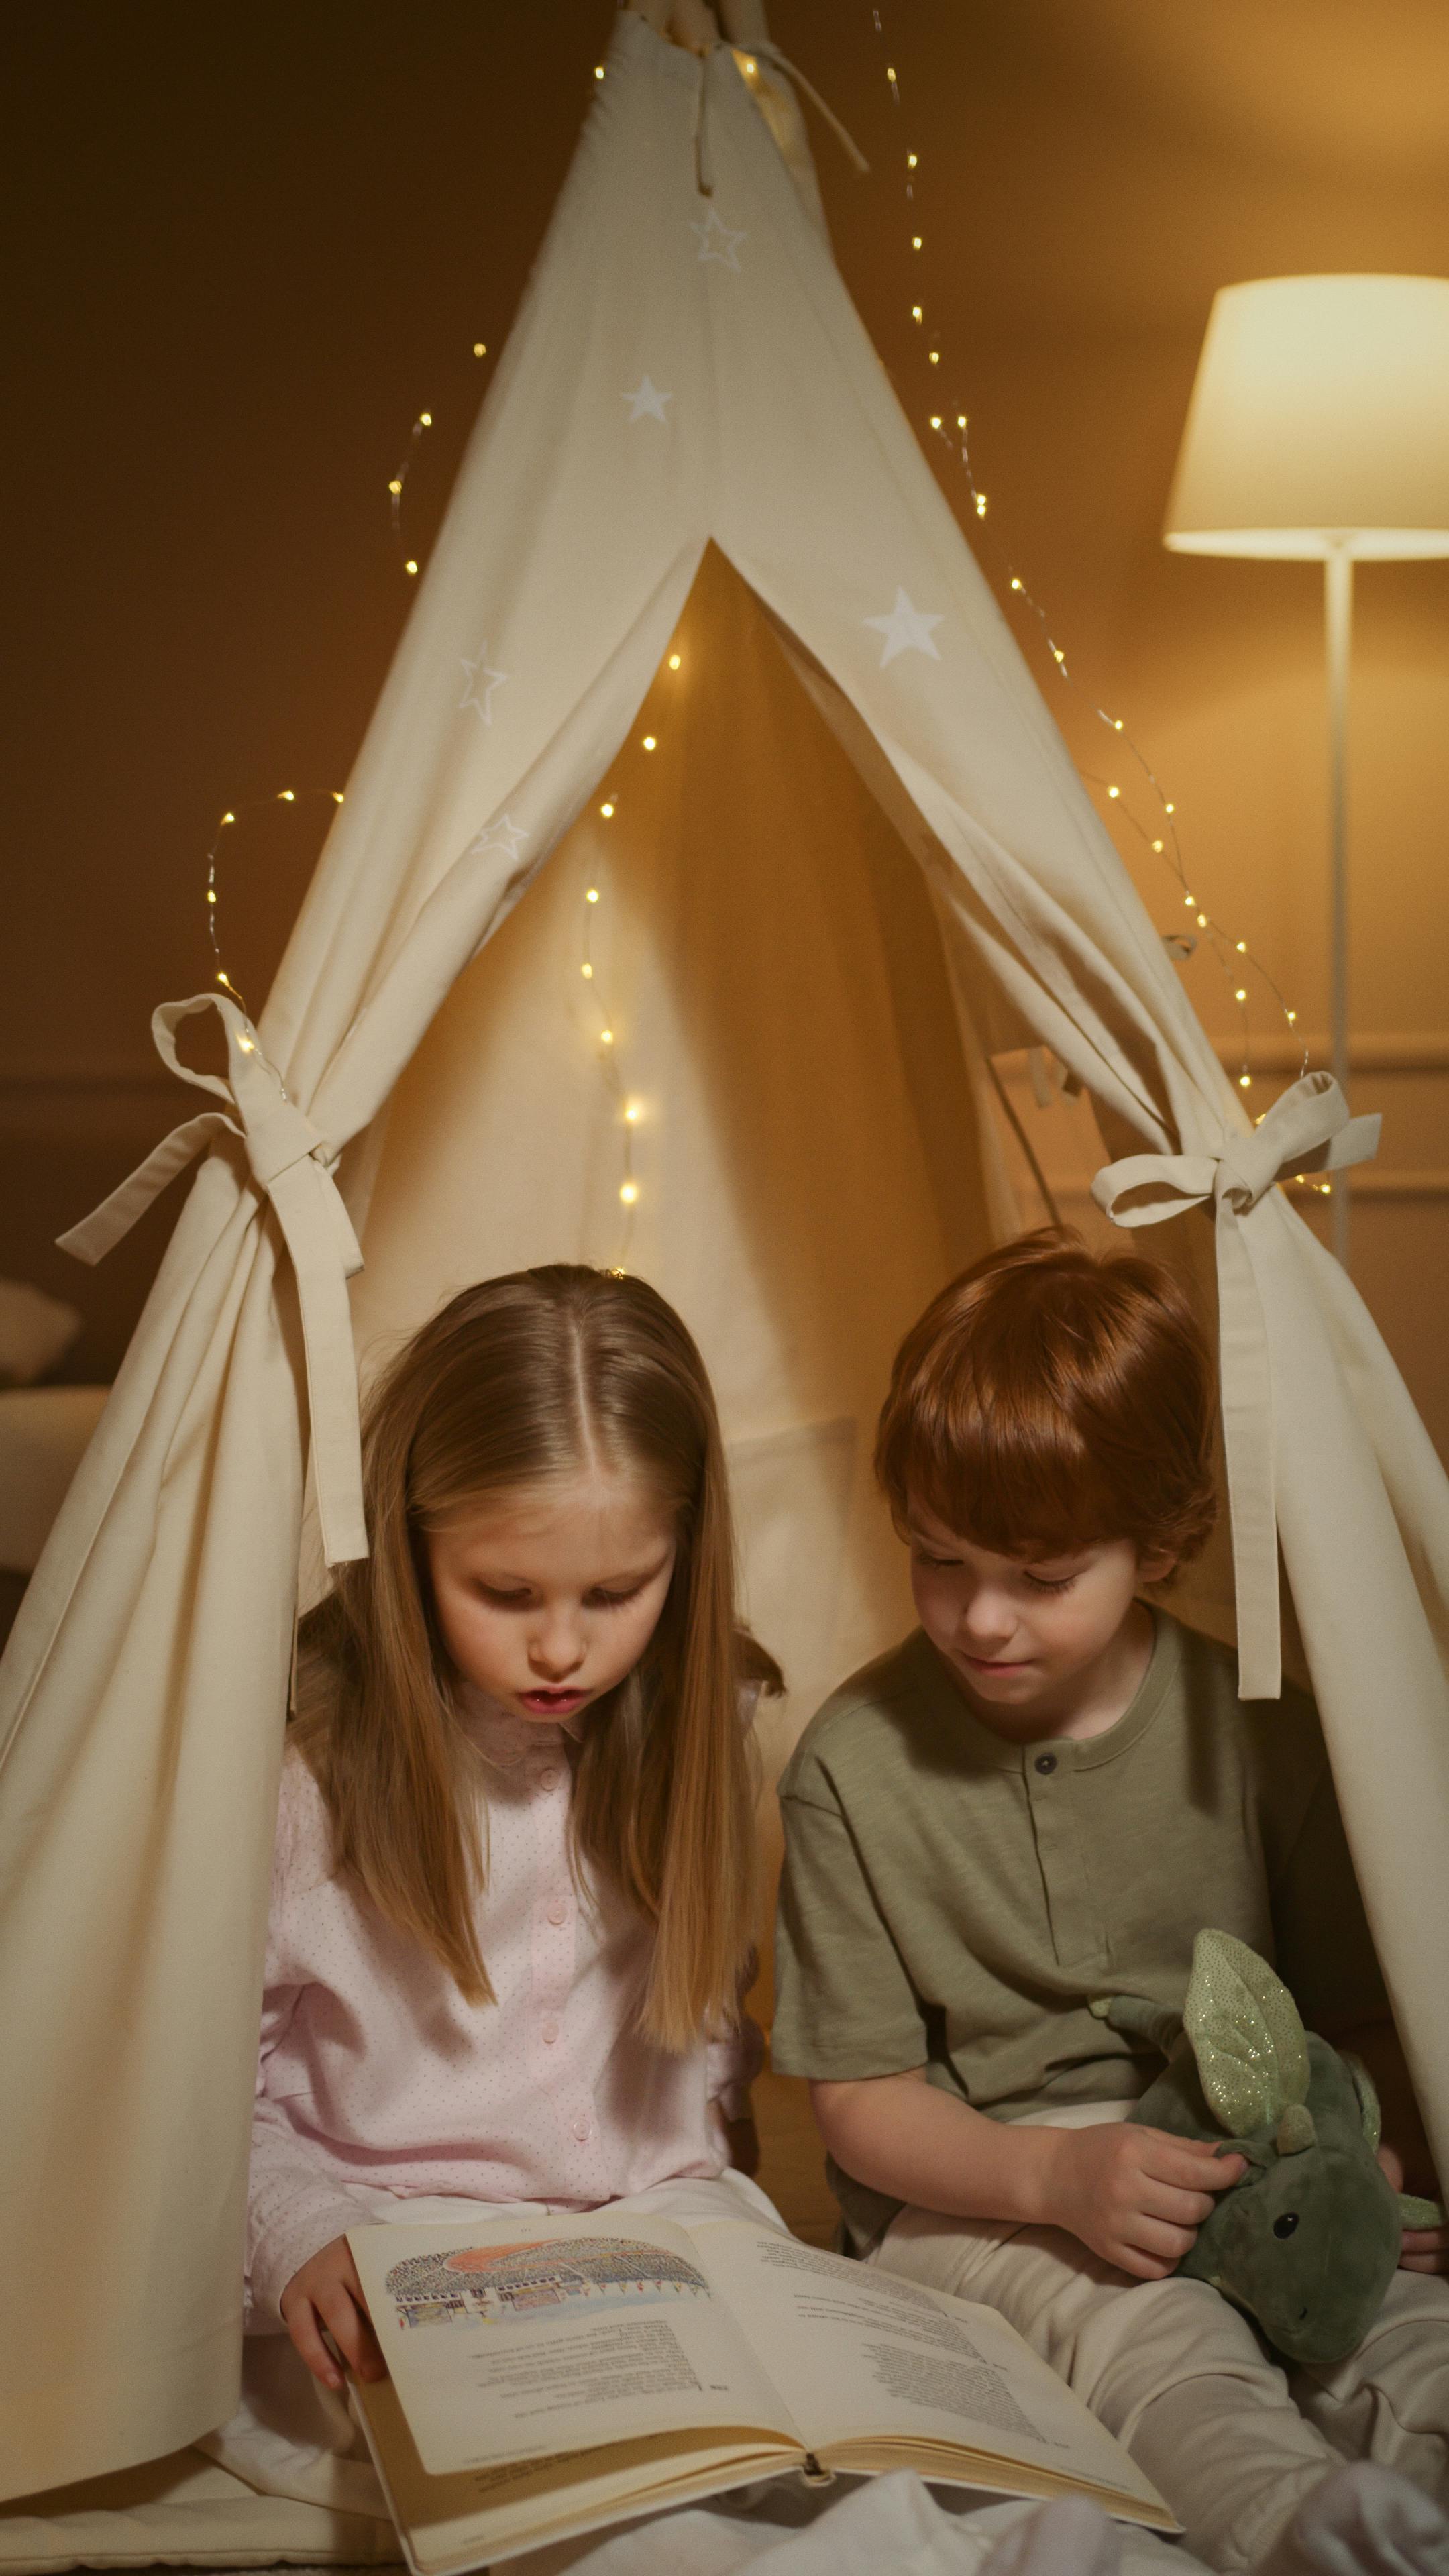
(1160, 837)
(627, 1108)
(231, 821)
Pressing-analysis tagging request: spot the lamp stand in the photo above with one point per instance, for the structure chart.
(1338, 628)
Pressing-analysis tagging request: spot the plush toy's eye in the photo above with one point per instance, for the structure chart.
(1285, 2225)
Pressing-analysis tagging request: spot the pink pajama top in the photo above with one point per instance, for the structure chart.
(375, 2072)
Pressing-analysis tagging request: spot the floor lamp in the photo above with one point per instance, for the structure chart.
(1319, 428)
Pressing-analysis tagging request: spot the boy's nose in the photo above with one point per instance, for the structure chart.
(987, 1620)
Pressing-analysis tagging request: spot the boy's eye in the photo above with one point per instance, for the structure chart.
(1051, 1583)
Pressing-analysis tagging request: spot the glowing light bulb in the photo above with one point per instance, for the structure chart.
(1292, 1016)
(410, 566)
(587, 972)
(650, 742)
(425, 420)
(935, 357)
(674, 661)
(916, 242)
(1240, 995)
(1245, 1082)
(607, 810)
(1116, 724)
(1015, 584)
(628, 1192)
(890, 71)
(247, 1045)
(911, 159)
(1157, 845)
(228, 818)
(396, 484)
(337, 796)
(211, 894)
(935, 420)
(606, 1037)
(1057, 654)
(593, 895)
(1169, 809)
(480, 348)
(598, 71)
(981, 513)
(222, 977)
(1242, 947)
(960, 420)
(1114, 791)
(286, 796)
(632, 1113)
(1191, 902)
(1202, 921)
(916, 313)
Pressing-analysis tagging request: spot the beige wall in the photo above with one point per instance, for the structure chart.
(246, 265)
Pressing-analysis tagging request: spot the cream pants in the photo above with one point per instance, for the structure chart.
(1181, 2378)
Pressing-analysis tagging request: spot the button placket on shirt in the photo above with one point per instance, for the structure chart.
(1076, 1930)
(554, 1953)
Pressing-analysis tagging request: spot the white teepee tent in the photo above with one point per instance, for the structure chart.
(827, 897)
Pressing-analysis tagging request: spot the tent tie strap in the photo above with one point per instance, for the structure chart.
(293, 1167)
(766, 52)
(1308, 1130)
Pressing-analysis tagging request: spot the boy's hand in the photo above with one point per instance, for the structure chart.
(1136, 2196)
(326, 2292)
(1423, 2249)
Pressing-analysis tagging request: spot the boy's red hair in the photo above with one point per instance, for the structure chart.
(1048, 1400)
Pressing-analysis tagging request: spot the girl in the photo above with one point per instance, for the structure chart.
(513, 1890)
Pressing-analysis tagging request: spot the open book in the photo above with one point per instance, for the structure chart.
(550, 2375)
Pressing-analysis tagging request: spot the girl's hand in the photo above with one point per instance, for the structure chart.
(1136, 2196)
(326, 2292)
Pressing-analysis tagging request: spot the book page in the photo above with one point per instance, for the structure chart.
(482, 2516)
(867, 2357)
(518, 2338)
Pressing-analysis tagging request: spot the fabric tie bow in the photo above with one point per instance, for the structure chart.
(292, 1166)
(1308, 1130)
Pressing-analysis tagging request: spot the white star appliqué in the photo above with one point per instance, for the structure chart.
(716, 241)
(906, 630)
(504, 835)
(481, 684)
(646, 402)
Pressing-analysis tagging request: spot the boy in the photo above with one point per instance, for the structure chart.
(1041, 1797)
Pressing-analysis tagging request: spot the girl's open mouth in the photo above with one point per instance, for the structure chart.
(552, 1702)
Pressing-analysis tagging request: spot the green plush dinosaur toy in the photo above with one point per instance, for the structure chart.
(1308, 2240)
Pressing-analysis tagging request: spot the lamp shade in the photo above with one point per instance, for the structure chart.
(1319, 421)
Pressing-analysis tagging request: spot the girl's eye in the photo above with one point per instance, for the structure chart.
(503, 1600)
(616, 1600)
(1045, 1583)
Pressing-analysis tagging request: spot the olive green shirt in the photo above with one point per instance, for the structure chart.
(954, 1900)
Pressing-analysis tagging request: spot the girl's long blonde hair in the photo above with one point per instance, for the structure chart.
(519, 1382)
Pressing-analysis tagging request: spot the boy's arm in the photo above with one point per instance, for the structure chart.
(1134, 2195)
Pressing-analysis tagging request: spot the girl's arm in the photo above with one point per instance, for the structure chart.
(1134, 2195)
(733, 2063)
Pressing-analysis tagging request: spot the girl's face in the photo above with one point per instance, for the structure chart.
(548, 1596)
(1034, 1641)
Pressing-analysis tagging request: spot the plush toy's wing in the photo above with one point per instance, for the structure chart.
(1252, 2056)
(1417, 2213)
(1368, 2100)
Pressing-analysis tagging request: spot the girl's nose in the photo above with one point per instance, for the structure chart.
(555, 1651)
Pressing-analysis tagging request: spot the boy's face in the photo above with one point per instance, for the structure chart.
(1038, 1643)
